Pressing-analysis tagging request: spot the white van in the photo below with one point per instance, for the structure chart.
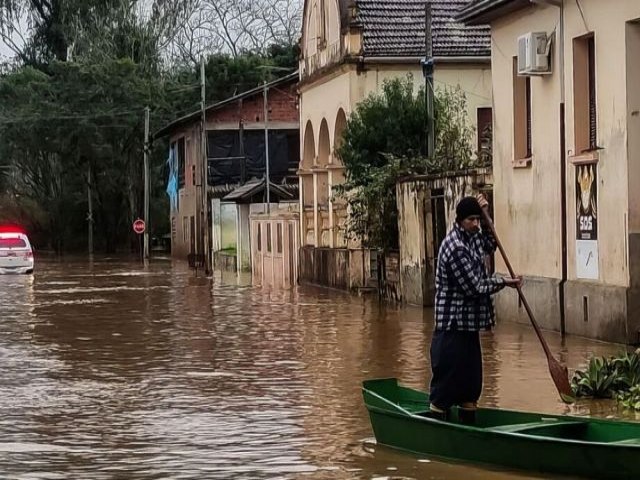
(16, 254)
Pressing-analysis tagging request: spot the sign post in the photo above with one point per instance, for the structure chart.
(139, 226)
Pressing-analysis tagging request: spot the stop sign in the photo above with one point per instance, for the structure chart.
(138, 226)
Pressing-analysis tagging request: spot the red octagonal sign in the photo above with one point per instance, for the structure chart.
(138, 226)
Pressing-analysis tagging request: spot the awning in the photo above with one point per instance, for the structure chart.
(256, 187)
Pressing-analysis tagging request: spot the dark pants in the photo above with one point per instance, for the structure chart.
(456, 364)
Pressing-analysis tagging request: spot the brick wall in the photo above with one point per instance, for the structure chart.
(282, 102)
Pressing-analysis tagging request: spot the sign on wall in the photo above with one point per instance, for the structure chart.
(586, 222)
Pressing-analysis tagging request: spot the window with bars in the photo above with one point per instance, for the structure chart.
(278, 238)
(268, 237)
(259, 239)
(522, 127)
(584, 94)
(322, 25)
(593, 140)
(181, 162)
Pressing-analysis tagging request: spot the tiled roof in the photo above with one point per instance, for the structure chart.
(392, 27)
(452, 38)
(478, 12)
(397, 28)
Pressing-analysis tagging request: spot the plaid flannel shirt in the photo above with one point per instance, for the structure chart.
(463, 286)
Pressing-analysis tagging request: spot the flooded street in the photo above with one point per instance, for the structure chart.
(110, 370)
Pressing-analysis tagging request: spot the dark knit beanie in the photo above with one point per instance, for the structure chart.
(467, 207)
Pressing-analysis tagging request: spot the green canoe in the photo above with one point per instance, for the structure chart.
(576, 446)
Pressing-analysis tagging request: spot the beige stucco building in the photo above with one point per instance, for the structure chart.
(349, 48)
(566, 157)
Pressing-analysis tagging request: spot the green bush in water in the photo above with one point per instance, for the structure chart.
(598, 380)
(615, 377)
(631, 398)
(628, 367)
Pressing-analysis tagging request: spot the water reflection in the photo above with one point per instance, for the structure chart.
(112, 369)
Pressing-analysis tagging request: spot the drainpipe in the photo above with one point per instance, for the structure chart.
(563, 166)
(563, 163)
(563, 176)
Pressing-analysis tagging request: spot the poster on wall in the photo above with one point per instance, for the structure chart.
(586, 222)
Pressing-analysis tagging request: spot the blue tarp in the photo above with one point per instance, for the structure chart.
(172, 184)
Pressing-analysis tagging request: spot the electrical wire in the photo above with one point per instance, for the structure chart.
(26, 118)
(468, 92)
(584, 20)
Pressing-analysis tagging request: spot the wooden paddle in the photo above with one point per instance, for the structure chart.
(559, 372)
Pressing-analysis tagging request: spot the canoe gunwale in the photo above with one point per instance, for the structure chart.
(579, 446)
(396, 410)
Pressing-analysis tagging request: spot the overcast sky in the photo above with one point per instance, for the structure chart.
(6, 52)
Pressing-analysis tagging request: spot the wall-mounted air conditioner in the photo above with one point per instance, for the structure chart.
(533, 54)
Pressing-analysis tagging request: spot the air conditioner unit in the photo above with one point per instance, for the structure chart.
(533, 54)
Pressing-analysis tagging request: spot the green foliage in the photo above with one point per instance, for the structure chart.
(628, 368)
(630, 399)
(55, 127)
(614, 377)
(392, 122)
(283, 56)
(57, 124)
(454, 131)
(373, 211)
(91, 29)
(62, 117)
(385, 139)
(598, 380)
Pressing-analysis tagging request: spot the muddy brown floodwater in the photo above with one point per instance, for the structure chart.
(110, 370)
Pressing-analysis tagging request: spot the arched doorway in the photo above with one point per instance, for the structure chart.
(324, 148)
(322, 183)
(307, 215)
(308, 158)
(341, 124)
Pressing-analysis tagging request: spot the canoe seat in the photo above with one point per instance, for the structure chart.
(520, 427)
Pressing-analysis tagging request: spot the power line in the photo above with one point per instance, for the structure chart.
(38, 117)
(463, 90)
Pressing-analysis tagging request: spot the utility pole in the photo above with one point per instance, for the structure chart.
(204, 173)
(90, 214)
(146, 183)
(427, 70)
(243, 160)
(266, 145)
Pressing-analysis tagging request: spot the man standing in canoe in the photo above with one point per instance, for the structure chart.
(463, 307)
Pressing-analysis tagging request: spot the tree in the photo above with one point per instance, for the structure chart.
(39, 31)
(74, 103)
(57, 125)
(236, 27)
(76, 117)
(384, 140)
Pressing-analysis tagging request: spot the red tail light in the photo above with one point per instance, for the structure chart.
(28, 255)
(11, 229)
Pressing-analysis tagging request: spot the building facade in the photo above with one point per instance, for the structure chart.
(566, 149)
(236, 155)
(348, 49)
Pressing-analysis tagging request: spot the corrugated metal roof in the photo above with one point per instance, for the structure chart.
(255, 187)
